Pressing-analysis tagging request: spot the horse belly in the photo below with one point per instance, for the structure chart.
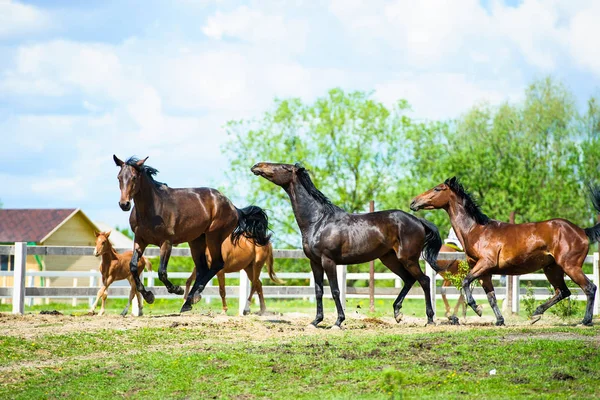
(525, 263)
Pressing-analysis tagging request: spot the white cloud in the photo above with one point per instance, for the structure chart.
(17, 19)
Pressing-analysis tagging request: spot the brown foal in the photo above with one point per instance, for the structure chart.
(556, 246)
(114, 267)
(247, 256)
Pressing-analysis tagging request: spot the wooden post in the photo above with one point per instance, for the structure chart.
(244, 292)
(515, 293)
(372, 271)
(92, 284)
(342, 271)
(430, 272)
(596, 279)
(19, 278)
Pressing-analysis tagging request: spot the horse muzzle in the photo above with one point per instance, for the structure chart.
(125, 206)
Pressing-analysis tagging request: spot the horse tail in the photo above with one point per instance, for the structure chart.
(253, 223)
(148, 264)
(433, 244)
(593, 233)
(270, 270)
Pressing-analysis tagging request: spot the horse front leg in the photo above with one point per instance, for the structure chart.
(330, 269)
(479, 269)
(138, 251)
(318, 273)
(165, 254)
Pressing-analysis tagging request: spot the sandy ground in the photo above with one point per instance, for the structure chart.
(252, 327)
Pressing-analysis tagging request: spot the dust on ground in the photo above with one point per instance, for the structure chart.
(257, 328)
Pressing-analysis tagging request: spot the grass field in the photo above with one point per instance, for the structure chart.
(208, 355)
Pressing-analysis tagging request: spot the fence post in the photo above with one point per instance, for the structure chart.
(516, 291)
(30, 283)
(150, 278)
(92, 284)
(430, 272)
(342, 272)
(311, 283)
(74, 300)
(19, 278)
(596, 278)
(244, 292)
(208, 298)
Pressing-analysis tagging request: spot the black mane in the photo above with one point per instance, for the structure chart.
(470, 204)
(308, 184)
(146, 170)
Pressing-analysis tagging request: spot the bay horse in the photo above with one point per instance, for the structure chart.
(331, 236)
(115, 267)
(447, 268)
(247, 256)
(165, 216)
(556, 246)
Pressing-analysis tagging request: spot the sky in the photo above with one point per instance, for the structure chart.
(83, 80)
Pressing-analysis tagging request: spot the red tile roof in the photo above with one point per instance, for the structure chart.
(30, 225)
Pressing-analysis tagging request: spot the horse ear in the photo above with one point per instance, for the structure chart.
(141, 162)
(299, 166)
(107, 233)
(452, 180)
(96, 233)
(117, 161)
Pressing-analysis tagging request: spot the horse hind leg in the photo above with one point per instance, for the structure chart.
(486, 283)
(576, 274)
(222, 291)
(390, 261)
(165, 255)
(556, 277)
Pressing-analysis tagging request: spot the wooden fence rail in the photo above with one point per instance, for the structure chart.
(21, 288)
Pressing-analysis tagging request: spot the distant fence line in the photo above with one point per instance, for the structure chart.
(23, 280)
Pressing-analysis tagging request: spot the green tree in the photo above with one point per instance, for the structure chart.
(350, 143)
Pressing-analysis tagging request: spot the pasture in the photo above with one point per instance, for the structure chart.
(204, 354)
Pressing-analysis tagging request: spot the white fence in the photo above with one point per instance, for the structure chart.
(23, 280)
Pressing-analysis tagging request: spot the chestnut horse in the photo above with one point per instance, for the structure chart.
(247, 256)
(556, 246)
(332, 236)
(115, 267)
(450, 267)
(164, 216)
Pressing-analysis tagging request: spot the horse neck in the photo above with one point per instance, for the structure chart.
(108, 257)
(461, 221)
(147, 198)
(307, 210)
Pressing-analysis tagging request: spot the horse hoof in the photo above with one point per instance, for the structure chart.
(141, 313)
(453, 320)
(479, 310)
(535, 318)
(178, 290)
(399, 317)
(197, 298)
(246, 312)
(430, 323)
(500, 323)
(186, 307)
(586, 323)
(92, 312)
(311, 327)
(148, 296)
(123, 313)
(336, 327)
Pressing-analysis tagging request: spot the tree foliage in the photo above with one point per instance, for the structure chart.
(532, 158)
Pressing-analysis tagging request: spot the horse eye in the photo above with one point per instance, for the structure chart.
(437, 189)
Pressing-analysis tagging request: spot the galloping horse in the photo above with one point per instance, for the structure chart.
(115, 267)
(163, 216)
(492, 247)
(331, 236)
(247, 256)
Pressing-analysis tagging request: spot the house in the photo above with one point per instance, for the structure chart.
(53, 227)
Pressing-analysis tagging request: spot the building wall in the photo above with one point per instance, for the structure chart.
(77, 231)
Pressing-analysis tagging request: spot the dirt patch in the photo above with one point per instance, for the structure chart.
(561, 376)
(53, 312)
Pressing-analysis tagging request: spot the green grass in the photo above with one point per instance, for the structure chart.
(354, 363)
(200, 356)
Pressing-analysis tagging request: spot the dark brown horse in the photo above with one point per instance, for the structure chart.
(331, 236)
(556, 246)
(163, 216)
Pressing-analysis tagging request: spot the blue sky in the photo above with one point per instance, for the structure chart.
(81, 80)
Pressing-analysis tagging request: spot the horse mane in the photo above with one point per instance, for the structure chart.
(147, 170)
(315, 193)
(470, 204)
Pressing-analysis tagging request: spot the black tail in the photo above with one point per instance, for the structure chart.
(253, 223)
(433, 244)
(593, 233)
